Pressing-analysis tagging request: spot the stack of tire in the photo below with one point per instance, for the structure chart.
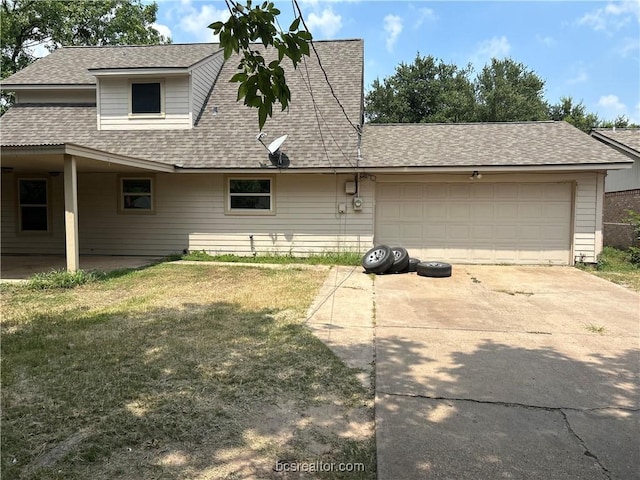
(383, 259)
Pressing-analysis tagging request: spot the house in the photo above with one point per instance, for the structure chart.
(621, 187)
(145, 151)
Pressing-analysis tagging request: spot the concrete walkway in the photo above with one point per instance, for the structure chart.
(342, 317)
(497, 372)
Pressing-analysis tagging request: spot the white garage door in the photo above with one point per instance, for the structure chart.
(526, 223)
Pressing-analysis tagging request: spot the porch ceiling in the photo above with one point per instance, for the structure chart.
(54, 162)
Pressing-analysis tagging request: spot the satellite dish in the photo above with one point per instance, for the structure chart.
(276, 144)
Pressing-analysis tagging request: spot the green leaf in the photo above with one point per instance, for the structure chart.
(294, 25)
(216, 27)
(239, 77)
(242, 91)
(262, 116)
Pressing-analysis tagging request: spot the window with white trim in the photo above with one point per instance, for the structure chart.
(146, 98)
(250, 195)
(136, 194)
(33, 204)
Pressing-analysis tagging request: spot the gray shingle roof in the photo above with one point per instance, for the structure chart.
(319, 135)
(481, 144)
(70, 65)
(626, 137)
(227, 139)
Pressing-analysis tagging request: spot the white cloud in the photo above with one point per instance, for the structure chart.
(580, 77)
(546, 40)
(577, 73)
(423, 15)
(611, 106)
(328, 23)
(612, 17)
(628, 47)
(162, 29)
(496, 47)
(393, 28)
(196, 20)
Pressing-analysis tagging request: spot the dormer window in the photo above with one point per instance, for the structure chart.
(147, 98)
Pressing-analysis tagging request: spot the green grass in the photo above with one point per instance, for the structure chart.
(62, 279)
(615, 265)
(174, 371)
(327, 258)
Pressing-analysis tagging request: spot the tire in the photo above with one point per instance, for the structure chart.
(378, 259)
(433, 269)
(412, 265)
(400, 260)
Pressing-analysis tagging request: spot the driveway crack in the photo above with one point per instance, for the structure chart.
(508, 404)
(587, 452)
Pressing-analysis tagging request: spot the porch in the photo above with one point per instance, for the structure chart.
(21, 267)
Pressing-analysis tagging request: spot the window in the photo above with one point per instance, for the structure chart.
(34, 212)
(136, 194)
(250, 195)
(146, 98)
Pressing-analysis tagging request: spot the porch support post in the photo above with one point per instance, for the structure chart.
(71, 213)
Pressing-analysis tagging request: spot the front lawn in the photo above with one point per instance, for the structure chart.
(175, 371)
(615, 265)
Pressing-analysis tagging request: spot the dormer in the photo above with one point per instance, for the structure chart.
(166, 92)
(150, 87)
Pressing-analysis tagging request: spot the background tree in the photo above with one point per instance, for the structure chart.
(508, 91)
(575, 114)
(25, 24)
(428, 90)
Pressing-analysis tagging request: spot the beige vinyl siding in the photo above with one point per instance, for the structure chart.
(35, 243)
(620, 180)
(202, 79)
(587, 226)
(83, 96)
(114, 105)
(189, 213)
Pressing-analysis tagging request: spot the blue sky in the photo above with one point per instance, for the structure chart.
(589, 50)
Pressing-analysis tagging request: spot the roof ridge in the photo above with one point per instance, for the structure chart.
(134, 46)
(520, 122)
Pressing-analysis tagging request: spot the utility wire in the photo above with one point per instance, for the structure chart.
(326, 77)
(318, 111)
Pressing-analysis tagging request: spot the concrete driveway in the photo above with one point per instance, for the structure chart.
(506, 372)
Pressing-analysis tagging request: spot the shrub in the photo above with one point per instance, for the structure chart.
(634, 256)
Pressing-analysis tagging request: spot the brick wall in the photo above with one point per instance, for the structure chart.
(618, 233)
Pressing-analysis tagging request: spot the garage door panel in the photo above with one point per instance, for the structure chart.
(556, 210)
(413, 192)
(459, 211)
(434, 232)
(556, 191)
(482, 211)
(459, 192)
(530, 234)
(477, 222)
(435, 211)
(506, 191)
(530, 211)
(482, 232)
(506, 210)
(389, 209)
(531, 191)
(436, 192)
(412, 210)
(456, 233)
